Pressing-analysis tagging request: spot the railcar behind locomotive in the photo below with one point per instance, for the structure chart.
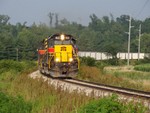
(57, 56)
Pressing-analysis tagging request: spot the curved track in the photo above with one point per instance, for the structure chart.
(114, 89)
(100, 90)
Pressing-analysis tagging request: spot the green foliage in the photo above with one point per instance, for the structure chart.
(88, 61)
(132, 75)
(42, 96)
(102, 34)
(101, 64)
(85, 73)
(7, 65)
(143, 67)
(10, 69)
(112, 105)
(10, 104)
(45, 97)
(114, 61)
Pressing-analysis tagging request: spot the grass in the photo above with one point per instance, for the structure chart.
(134, 79)
(127, 72)
(46, 98)
(10, 69)
(9, 104)
(14, 81)
(116, 76)
(43, 97)
(112, 104)
(143, 67)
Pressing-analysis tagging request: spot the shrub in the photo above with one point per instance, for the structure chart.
(7, 65)
(89, 73)
(101, 64)
(114, 61)
(111, 105)
(88, 61)
(10, 104)
(143, 67)
(10, 69)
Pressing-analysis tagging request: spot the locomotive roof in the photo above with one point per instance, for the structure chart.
(58, 34)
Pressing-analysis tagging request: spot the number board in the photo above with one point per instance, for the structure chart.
(63, 48)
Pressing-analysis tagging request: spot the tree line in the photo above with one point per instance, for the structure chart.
(106, 34)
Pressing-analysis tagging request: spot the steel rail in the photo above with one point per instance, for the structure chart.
(113, 89)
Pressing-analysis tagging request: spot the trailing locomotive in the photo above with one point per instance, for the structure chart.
(57, 56)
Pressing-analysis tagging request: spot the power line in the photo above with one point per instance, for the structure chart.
(146, 2)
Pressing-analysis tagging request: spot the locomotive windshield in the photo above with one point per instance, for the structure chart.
(61, 39)
(64, 42)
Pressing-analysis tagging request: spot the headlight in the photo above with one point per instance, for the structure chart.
(57, 59)
(70, 59)
(62, 37)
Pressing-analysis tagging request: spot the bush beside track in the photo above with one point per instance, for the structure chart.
(9, 104)
(111, 104)
(9, 71)
(143, 67)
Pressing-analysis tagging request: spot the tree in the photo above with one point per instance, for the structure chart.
(50, 15)
(145, 43)
(56, 22)
(64, 22)
(146, 25)
(4, 19)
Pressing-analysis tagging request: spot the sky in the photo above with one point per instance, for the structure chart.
(73, 10)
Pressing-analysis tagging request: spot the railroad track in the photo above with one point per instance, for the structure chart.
(99, 90)
(113, 89)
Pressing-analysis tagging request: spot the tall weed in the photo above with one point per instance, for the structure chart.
(44, 97)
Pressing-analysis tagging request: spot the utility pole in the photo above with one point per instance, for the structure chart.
(17, 54)
(139, 42)
(129, 40)
(128, 61)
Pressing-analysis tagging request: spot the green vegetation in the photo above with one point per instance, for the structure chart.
(144, 67)
(132, 75)
(104, 34)
(130, 78)
(34, 95)
(37, 96)
(122, 76)
(10, 104)
(45, 98)
(95, 74)
(9, 71)
(111, 105)
(88, 61)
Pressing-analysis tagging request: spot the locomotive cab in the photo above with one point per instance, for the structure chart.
(60, 57)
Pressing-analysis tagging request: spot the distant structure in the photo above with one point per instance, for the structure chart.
(104, 56)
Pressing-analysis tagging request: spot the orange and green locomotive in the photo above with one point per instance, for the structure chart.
(57, 56)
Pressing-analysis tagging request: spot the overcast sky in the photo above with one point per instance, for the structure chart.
(74, 10)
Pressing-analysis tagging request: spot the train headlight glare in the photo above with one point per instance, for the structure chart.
(57, 59)
(70, 59)
(62, 37)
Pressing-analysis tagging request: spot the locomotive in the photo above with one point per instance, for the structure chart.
(58, 56)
